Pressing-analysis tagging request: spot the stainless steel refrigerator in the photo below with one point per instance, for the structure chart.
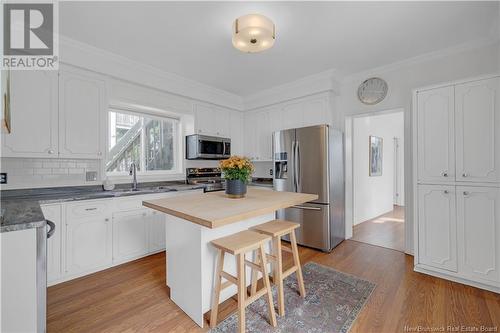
(311, 160)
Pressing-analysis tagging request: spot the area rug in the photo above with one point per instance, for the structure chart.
(332, 303)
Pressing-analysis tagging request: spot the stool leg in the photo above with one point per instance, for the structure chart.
(215, 301)
(267, 285)
(240, 263)
(296, 260)
(256, 259)
(278, 275)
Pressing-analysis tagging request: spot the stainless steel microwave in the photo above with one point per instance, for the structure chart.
(205, 147)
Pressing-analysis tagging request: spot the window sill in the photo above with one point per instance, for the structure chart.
(120, 179)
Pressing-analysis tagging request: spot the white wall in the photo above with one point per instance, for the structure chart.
(459, 63)
(374, 196)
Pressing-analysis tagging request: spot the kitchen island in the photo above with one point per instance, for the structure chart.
(195, 220)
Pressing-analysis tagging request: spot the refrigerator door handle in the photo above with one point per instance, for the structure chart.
(294, 171)
(297, 164)
(306, 207)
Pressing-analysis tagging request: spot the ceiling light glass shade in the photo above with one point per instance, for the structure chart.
(253, 33)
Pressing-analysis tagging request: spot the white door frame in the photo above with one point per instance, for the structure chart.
(349, 183)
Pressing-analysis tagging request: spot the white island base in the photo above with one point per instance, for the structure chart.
(191, 261)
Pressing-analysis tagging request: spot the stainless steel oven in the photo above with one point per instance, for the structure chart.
(203, 147)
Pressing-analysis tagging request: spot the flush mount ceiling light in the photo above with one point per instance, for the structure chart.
(253, 33)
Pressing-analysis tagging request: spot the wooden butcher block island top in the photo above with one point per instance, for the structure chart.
(214, 209)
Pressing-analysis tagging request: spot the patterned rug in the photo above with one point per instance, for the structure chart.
(332, 303)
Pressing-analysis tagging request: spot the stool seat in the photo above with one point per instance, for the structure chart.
(241, 242)
(276, 228)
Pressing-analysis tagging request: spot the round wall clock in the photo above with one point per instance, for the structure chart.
(372, 91)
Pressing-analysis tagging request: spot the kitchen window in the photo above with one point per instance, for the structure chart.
(151, 142)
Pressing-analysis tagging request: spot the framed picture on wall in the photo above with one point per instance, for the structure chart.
(376, 145)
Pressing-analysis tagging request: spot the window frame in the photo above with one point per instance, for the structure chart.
(175, 173)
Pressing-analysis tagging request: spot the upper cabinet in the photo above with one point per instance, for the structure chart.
(60, 115)
(436, 135)
(212, 120)
(260, 124)
(458, 133)
(34, 126)
(477, 129)
(82, 106)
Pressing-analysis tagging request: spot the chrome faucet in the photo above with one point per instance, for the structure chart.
(133, 172)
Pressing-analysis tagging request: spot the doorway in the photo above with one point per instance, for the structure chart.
(377, 178)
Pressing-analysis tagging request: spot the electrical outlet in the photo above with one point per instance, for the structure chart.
(91, 176)
(270, 172)
(3, 178)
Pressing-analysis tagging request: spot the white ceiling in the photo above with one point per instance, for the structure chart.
(193, 39)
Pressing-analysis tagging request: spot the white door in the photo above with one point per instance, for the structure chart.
(81, 114)
(437, 232)
(479, 232)
(478, 131)
(130, 234)
(33, 115)
(54, 243)
(156, 231)
(88, 245)
(436, 138)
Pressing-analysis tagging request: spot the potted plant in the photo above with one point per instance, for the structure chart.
(237, 171)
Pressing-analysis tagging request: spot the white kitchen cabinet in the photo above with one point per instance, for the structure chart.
(130, 234)
(82, 114)
(293, 115)
(88, 236)
(212, 120)
(251, 143)
(316, 111)
(479, 232)
(54, 244)
(236, 133)
(156, 226)
(264, 136)
(478, 131)
(34, 115)
(436, 135)
(437, 226)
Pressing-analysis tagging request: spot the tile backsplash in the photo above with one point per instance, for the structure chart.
(41, 172)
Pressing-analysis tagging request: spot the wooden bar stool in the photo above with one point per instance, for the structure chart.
(276, 229)
(238, 244)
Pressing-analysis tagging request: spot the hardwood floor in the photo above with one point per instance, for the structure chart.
(387, 230)
(133, 297)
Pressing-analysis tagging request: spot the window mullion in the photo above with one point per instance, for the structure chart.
(143, 146)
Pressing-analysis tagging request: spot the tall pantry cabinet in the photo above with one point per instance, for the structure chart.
(457, 191)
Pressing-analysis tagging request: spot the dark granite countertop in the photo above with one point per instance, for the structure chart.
(20, 209)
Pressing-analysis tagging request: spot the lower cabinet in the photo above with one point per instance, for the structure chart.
(156, 231)
(437, 227)
(459, 232)
(479, 233)
(88, 244)
(130, 234)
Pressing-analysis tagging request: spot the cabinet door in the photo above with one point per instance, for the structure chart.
(251, 135)
(156, 231)
(222, 122)
(436, 138)
(263, 133)
(316, 111)
(130, 234)
(82, 115)
(236, 133)
(437, 233)
(88, 245)
(33, 115)
(478, 131)
(479, 233)
(205, 119)
(54, 243)
(293, 115)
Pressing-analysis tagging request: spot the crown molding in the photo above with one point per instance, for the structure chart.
(309, 85)
(460, 48)
(83, 55)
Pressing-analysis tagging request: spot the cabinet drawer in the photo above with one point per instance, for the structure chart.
(87, 209)
(135, 202)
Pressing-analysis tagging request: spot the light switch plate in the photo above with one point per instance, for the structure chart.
(91, 176)
(3, 178)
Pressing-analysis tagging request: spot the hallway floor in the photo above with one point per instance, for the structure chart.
(386, 231)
